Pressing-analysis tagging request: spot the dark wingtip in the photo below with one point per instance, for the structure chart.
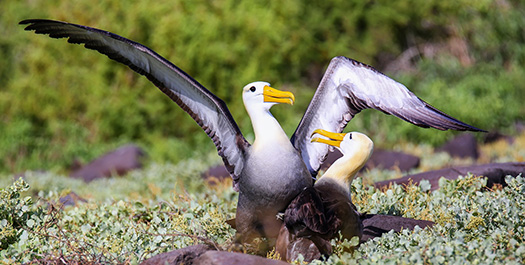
(466, 127)
(456, 124)
(31, 21)
(32, 24)
(25, 21)
(474, 129)
(461, 126)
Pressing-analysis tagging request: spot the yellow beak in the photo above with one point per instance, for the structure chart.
(335, 138)
(273, 95)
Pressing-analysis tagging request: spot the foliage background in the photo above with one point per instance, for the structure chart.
(166, 207)
(60, 102)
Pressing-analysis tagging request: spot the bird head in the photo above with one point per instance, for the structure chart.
(260, 94)
(356, 149)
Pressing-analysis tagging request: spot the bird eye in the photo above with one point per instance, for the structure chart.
(350, 136)
(252, 89)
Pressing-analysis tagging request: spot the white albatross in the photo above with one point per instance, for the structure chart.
(272, 171)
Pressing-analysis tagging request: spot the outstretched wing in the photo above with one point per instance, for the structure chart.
(209, 111)
(347, 88)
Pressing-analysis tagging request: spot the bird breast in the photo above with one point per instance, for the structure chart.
(274, 175)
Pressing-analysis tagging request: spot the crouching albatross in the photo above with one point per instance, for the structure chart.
(320, 212)
(272, 171)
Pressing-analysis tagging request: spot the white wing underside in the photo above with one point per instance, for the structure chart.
(347, 88)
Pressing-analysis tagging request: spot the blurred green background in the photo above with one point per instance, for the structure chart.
(60, 102)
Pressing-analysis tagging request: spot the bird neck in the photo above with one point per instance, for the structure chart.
(343, 171)
(267, 130)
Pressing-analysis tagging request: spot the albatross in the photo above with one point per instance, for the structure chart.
(269, 173)
(320, 212)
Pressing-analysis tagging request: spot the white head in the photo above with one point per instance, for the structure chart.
(356, 149)
(358, 146)
(260, 95)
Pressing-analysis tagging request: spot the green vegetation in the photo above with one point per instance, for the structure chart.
(60, 102)
(166, 207)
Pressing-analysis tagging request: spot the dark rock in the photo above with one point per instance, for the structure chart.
(218, 172)
(462, 146)
(392, 160)
(330, 159)
(232, 258)
(374, 225)
(180, 256)
(496, 136)
(495, 173)
(119, 161)
(71, 199)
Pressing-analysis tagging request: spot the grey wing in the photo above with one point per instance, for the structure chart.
(209, 111)
(347, 88)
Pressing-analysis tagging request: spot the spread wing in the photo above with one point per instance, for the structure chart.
(209, 111)
(347, 88)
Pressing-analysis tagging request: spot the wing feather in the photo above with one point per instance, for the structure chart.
(306, 214)
(349, 87)
(209, 111)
